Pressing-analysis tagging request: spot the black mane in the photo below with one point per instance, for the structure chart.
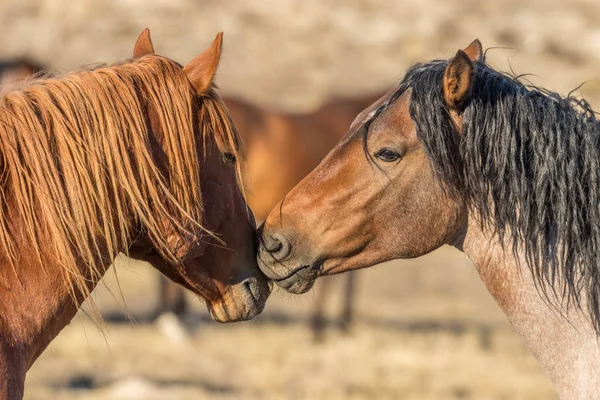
(528, 162)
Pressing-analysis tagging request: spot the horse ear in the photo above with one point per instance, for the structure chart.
(201, 70)
(143, 45)
(474, 51)
(458, 80)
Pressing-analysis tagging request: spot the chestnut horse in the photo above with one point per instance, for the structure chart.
(138, 157)
(282, 148)
(461, 154)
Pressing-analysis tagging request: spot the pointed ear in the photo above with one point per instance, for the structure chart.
(458, 80)
(201, 70)
(474, 51)
(143, 45)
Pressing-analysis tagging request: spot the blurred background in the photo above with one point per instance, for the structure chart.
(416, 329)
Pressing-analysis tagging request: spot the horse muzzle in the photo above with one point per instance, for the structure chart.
(241, 302)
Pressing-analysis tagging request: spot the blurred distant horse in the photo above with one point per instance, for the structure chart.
(138, 157)
(284, 147)
(462, 154)
(17, 69)
(281, 149)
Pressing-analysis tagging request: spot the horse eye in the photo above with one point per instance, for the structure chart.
(229, 157)
(387, 155)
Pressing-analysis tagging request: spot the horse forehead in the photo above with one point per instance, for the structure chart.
(395, 119)
(367, 113)
(400, 110)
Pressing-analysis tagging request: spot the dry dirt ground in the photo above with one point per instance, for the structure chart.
(427, 329)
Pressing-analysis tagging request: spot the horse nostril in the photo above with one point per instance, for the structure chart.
(277, 246)
(248, 286)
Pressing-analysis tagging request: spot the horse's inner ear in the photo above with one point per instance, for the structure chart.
(202, 69)
(143, 45)
(474, 51)
(458, 80)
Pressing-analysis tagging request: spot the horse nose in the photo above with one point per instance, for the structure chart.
(276, 246)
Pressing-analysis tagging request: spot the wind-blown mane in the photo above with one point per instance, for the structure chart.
(79, 165)
(528, 162)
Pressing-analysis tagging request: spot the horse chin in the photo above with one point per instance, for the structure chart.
(241, 302)
(301, 280)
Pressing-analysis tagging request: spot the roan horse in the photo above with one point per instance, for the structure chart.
(138, 157)
(461, 154)
(282, 148)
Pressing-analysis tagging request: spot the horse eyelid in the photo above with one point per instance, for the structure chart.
(229, 158)
(395, 156)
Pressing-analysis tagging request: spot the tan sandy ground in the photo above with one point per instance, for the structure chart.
(426, 329)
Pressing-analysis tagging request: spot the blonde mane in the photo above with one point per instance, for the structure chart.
(78, 163)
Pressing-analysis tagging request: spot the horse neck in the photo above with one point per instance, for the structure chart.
(36, 302)
(566, 345)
